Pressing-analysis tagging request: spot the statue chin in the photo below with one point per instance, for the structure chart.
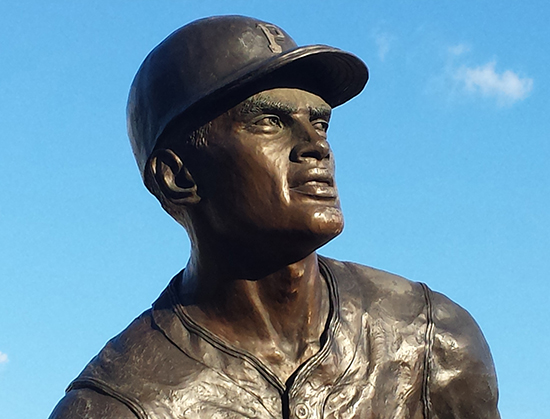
(329, 220)
(325, 224)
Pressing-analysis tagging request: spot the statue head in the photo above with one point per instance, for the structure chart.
(227, 118)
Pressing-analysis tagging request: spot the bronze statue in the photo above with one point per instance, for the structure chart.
(228, 121)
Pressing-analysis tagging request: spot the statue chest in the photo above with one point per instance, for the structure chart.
(368, 368)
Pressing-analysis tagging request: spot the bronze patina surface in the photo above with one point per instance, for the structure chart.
(228, 120)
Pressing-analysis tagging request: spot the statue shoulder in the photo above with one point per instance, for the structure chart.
(351, 274)
(463, 378)
(89, 404)
(378, 291)
(139, 359)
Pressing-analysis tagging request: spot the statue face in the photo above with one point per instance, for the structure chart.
(267, 171)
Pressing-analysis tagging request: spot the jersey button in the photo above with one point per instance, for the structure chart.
(302, 412)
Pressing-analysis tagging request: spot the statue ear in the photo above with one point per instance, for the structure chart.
(173, 178)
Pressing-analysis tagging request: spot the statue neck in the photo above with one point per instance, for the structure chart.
(278, 318)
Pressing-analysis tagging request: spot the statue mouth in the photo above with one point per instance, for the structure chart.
(316, 182)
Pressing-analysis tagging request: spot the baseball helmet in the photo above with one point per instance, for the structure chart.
(210, 65)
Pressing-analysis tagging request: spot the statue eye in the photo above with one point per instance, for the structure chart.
(270, 120)
(320, 125)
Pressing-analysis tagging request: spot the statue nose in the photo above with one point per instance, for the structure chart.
(310, 144)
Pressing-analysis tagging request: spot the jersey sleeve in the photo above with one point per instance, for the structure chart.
(462, 383)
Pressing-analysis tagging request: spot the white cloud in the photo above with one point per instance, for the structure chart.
(3, 358)
(507, 87)
(459, 49)
(383, 43)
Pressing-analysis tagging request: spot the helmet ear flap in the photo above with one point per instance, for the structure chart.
(173, 178)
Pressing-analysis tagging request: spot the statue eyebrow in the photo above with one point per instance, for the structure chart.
(321, 112)
(265, 105)
(256, 105)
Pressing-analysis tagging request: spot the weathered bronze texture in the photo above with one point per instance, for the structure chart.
(228, 120)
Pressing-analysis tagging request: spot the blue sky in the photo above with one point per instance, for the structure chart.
(442, 166)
